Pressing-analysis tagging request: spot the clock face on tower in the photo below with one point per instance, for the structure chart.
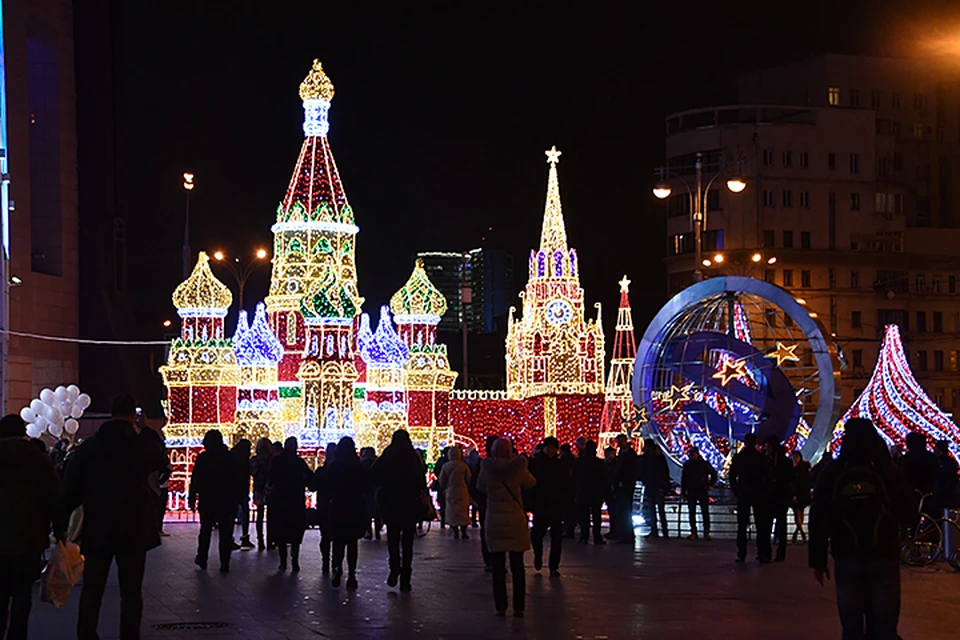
(559, 312)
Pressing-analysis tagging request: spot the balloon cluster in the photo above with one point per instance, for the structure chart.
(55, 411)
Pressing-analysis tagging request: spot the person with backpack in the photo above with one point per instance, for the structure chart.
(859, 504)
(750, 481)
(697, 478)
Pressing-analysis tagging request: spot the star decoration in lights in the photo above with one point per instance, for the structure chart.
(730, 371)
(553, 156)
(625, 285)
(677, 395)
(784, 353)
(642, 415)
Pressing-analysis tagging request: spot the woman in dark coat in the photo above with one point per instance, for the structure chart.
(402, 479)
(260, 470)
(346, 479)
(289, 477)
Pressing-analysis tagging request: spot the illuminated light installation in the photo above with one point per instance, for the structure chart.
(417, 308)
(314, 277)
(733, 355)
(896, 403)
(554, 356)
(619, 413)
(383, 409)
(258, 399)
(201, 374)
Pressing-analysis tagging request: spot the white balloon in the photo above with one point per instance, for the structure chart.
(60, 394)
(47, 396)
(73, 391)
(55, 430)
(37, 405)
(83, 400)
(41, 422)
(71, 426)
(76, 411)
(34, 431)
(57, 417)
(27, 414)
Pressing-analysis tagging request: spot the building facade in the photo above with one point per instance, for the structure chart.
(850, 164)
(39, 204)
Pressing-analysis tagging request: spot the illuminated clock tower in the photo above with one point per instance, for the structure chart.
(552, 349)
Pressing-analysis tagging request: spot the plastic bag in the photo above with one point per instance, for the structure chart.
(75, 528)
(64, 569)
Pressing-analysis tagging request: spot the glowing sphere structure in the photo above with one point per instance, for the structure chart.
(733, 355)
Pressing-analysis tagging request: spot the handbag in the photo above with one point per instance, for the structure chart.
(428, 513)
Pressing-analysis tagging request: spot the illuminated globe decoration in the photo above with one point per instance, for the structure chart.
(733, 355)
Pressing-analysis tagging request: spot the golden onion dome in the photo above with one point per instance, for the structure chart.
(317, 85)
(418, 297)
(202, 291)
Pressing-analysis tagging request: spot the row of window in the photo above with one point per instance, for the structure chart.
(770, 239)
(786, 200)
(787, 279)
(769, 160)
(876, 99)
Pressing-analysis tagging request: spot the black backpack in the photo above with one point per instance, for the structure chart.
(861, 504)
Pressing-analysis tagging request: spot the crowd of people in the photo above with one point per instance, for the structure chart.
(859, 502)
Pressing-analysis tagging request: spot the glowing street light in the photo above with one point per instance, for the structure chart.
(736, 185)
(706, 263)
(218, 256)
(718, 258)
(241, 273)
(756, 257)
(188, 181)
(772, 260)
(261, 253)
(662, 191)
(167, 323)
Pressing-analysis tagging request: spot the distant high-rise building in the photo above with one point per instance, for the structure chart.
(852, 167)
(486, 272)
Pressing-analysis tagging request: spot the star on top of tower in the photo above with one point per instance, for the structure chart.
(625, 284)
(553, 156)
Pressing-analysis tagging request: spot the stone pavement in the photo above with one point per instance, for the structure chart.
(658, 589)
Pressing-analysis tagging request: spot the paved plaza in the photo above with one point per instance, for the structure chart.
(659, 589)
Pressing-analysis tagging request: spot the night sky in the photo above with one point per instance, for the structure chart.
(441, 116)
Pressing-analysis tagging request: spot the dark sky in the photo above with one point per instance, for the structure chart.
(441, 116)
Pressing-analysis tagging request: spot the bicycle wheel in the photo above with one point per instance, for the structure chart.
(923, 546)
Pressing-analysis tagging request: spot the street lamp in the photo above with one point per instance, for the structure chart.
(240, 272)
(188, 186)
(697, 194)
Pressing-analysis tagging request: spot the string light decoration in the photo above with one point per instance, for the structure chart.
(896, 403)
(619, 413)
(784, 353)
(201, 373)
(552, 349)
(314, 279)
(258, 398)
(384, 407)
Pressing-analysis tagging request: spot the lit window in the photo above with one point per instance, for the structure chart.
(833, 96)
(917, 131)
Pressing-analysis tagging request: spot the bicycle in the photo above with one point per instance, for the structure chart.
(923, 542)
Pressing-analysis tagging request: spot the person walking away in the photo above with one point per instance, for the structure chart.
(402, 478)
(107, 476)
(624, 483)
(919, 465)
(435, 486)
(323, 506)
(473, 462)
(28, 491)
(945, 487)
(346, 481)
(260, 471)
(696, 480)
(859, 505)
(289, 479)
(368, 456)
(549, 500)
(480, 497)
(241, 454)
(503, 475)
(569, 458)
(801, 486)
(750, 477)
(214, 480)
(591, 486)
(609, 461)
(655, 475)
(780, 494)
(455, 485)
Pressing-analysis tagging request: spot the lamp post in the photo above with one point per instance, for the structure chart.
(187, 256)
(698, 195)
(240, 272)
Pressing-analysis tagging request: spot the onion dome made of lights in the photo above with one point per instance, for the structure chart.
(317, 84)
(201, 293)
(385, 349)
(418, 301)
(256, 345)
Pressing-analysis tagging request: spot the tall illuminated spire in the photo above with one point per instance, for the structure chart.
(553, 237)
(619, 414)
